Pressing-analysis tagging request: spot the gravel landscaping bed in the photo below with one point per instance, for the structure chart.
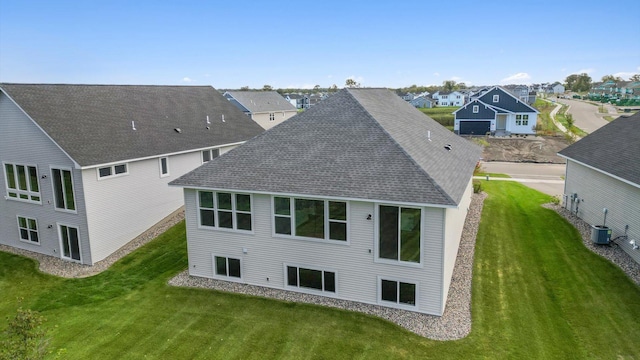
(611, 252)
(454, 324)
(56, 266)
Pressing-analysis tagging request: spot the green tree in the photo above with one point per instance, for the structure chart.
(244, 88)
(612, 78)
(449, 85)
(316, 88)
(24, 338)
(635, 77)
(267, 88)
(351, 83)
(333, 88)
(578, 82)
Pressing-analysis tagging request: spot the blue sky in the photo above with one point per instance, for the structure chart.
(230, 44)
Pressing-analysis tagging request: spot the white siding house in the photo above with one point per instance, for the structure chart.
(85, 168)
(603, 172)
(358, 204)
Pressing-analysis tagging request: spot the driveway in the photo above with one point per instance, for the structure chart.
(585, 115)
(546, 178)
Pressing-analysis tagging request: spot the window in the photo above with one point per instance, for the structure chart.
(225, 266)
(399, 233)
(28, 229)
(22, 182)
(310, 218)
(208, 155)
(311, 279)
(70, 242)
(445, 96)
(63, 189)
(225, 210)
(164, 166)
(496, 98)
(113, 170)
(522, 119)
(398, 292)
(476, 109)
(272, 116)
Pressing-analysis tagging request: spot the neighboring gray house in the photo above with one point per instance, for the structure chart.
(497, 112)
(423, 102)
(555, 88)
(361, 197)
(603, 172)
(267, 108)
(85, 168)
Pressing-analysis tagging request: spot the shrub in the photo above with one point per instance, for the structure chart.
(24, 338)
(477, 186)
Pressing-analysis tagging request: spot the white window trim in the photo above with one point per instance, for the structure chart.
(293, 221)
(398, 305)
(476, 109)
(376, 234)
(18, 191)
(160, 166)
(496, 98)
(73, 185)
(28, 230)
(233, 211)
(227, 277)
(113, 171)
(59, 226)
(310, 290)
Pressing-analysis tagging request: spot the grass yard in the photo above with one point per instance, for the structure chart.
(538, 293)
(442, 114)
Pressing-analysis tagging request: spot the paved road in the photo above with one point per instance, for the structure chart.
(585, 115)
(546, 178)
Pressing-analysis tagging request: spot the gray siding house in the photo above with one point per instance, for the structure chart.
(603, 172)
(496, 112)
(361, 197)
(267, 108)
(85, 168)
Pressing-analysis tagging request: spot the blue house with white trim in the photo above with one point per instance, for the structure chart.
(496, 112)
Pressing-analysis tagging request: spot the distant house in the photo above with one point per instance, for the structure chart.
(603, 179)
(85, 168)
(267, 108)
(298, 100)
(423, 102)
(496, 111)
(555, 88)
(408, 96)
(449, 98)
(361, 198)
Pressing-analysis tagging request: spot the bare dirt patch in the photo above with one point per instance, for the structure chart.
(534, 149)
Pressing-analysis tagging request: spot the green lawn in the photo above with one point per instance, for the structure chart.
(537, 293)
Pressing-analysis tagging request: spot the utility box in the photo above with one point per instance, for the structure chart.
(600, 234)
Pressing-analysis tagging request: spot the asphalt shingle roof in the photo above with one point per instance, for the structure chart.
(359, 143)
(93, 123)
(614, 148)
(262, 101)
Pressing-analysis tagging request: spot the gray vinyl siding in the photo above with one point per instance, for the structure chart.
(596, 191)
(354, 263)
(24, 143)
(454, 225)
(122, 207)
